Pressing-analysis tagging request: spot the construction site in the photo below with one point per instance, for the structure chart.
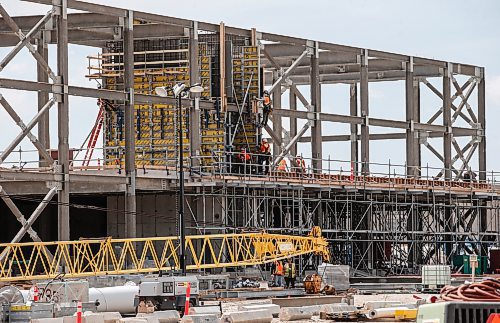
(204, 191)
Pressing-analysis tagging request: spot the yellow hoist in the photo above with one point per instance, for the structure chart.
(95, 257)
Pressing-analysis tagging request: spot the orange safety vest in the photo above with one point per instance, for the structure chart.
(267, 100)
(265, 147)
(245, 156)
(282, 165)
(279, 269)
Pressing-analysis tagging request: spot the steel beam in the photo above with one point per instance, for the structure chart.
(292, 142)
(365, 132)
(130, 172)
(316, 140)
(63, 122)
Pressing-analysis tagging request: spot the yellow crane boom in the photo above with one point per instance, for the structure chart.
(93, 257)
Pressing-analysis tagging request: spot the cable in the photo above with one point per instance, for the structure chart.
(486, 291)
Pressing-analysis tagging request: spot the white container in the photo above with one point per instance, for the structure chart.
(435, 276)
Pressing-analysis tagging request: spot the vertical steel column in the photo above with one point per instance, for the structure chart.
(410, 118)
(316, 138)
(481, 113)
(277, 126)
(416, 108)
(63, 121)
(128, 65)
(293, 121)
(481, 107)
(353, 103)
(194, 77)
(365, 133)
(43, 98)
(447, 121)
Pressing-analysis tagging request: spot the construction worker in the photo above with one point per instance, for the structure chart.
(266, 107)
(244, 161)
(282, 166)
(290, 273)
(278, 273)
(264, 156)
(300, 165)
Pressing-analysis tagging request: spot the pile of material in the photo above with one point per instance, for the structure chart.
(487, 290)
(247, 283)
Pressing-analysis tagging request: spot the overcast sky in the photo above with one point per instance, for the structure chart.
(452, 30)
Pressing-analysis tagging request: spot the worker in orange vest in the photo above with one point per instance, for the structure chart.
(300, 165)
(278, 273)
(264, 156)
(244, 161)
(282, 167)
(266, 107)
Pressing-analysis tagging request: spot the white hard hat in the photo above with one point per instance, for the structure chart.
(264, 140)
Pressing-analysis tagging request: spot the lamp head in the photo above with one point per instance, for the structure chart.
(178, 88)
(161, 91)
(196, 88)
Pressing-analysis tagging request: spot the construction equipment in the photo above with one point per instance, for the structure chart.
(93, 257)
(312, 284)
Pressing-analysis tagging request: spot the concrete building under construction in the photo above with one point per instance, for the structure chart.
(387, 223)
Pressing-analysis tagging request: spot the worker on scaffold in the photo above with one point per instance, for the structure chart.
(299, 165)
(264, 156)
(244, 161)
(282, 166)
(266, 107)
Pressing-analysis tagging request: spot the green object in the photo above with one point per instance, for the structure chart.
(464, 262)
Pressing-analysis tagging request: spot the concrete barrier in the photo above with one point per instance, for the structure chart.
(149, 317)
(132, 320)
(380, 304)
(171, 316)
(260, 316)
(111, 317)
(205, 310)
(200, 318)
(274, 309)
(297, 313)
(51, 320)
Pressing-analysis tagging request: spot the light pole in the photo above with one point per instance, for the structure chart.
(180, 90)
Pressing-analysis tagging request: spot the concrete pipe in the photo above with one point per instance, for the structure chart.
(115, 299)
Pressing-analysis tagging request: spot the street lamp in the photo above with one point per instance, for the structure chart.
(179, 91)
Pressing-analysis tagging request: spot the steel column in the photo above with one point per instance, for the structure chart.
(353, 105)
(128, 62)
(194, 76)
(416, 108)
(447, 138)
(365, 133)
(43, 97)
(411, 142)
(481, 103)
(293, 121)
(277, 125)
(63, 121)
(316, 140)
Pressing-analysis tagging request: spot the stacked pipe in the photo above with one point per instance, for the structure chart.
(487, 290)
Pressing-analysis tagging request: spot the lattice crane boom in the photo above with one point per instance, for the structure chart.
(94, 257)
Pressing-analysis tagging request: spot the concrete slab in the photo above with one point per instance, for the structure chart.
(205, 310)
(274, 309)
(50, 320)
(310, 300)
(200, 318)
(111, 317)
(296, 313)
(259, 316)
(171, 316)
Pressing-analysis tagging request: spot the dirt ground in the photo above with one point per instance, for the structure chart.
(359, 300)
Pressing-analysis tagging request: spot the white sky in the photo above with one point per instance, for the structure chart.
(452, 30)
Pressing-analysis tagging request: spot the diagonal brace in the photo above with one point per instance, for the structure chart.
(289, 70)
(26, 130)
(24, 40)
(292, 142)
(13, 26)
(39, 146)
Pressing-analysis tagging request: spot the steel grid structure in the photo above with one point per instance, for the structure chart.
(418, 227)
